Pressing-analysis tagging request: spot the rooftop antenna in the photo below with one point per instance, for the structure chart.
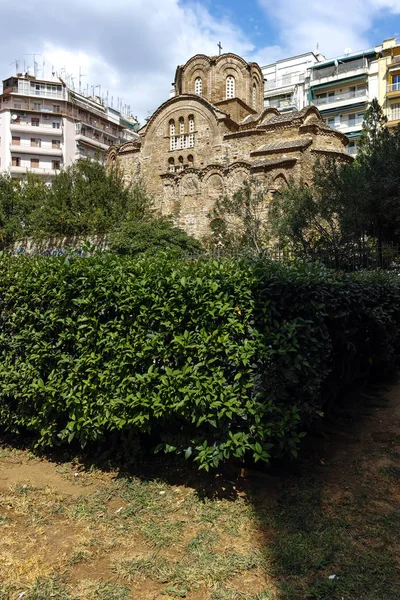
(219, 48)
(73, 82)
(80, 79)
(43, 65)
(16, 63)
(35, 65)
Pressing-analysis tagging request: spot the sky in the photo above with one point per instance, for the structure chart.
(131, 48)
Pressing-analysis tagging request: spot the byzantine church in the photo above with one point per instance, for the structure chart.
(213, 134)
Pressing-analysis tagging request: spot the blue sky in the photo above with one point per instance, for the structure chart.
(131, 48)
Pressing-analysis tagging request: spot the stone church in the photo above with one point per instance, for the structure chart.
(214, 133)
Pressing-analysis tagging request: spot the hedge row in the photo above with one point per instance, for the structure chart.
(212, 359)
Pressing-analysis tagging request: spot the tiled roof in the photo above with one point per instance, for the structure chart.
(271, 162)
(284, 145)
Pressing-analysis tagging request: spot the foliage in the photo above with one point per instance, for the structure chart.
(84, 198)
(374, 131)
(211, 359)
(239, 221)
(149, 235)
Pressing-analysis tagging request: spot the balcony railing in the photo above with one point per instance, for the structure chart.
(340, 97)
(393, 87)
(339, 71)
(284, 81)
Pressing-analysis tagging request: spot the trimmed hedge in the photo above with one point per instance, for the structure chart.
(212, 359)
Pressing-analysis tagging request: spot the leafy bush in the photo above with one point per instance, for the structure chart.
(212, 359)
(150, 235)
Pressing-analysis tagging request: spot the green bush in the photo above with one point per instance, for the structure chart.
(211, 359)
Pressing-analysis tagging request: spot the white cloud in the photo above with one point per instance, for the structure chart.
(130, 47)
(333, 25)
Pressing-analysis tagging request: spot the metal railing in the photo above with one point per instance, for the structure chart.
(393, 87)
(339, 97)
(284, 81)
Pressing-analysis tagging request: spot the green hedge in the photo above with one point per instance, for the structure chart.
(212, 359)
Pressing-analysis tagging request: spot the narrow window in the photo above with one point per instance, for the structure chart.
(191, 123)
(198, 86)
(254, 100)
(16, 141)
(34, 163)
(172, 140)
(171, 165)
(16, 161)
(181, 125)
(230, 87)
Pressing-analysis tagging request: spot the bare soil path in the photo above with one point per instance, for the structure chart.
(328, 528)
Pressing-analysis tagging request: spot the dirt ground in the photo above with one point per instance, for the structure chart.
(326, 528)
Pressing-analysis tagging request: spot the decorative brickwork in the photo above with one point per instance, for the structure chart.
(214, 133)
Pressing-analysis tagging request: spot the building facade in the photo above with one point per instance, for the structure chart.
(214, 133)
(45, 126)
(389, 81)
(341, 89)
(286, 81)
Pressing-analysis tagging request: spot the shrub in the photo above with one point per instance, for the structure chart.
(211, 359)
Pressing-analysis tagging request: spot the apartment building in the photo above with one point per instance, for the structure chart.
(44, 125)
(341, 89)
(389, 81)
(286, 81)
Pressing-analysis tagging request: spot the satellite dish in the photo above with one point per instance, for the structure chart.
(14, 117)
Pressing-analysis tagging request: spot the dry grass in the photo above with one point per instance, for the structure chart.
(75, 533)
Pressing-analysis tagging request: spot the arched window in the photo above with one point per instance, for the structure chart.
(191, 123)
(198, 86)
(181, 125)
(254, 98)
(230, 87)
(172, 136)
(190, 160)
(171, 165)
(180, 166)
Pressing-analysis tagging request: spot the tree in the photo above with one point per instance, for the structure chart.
(87, 198)
(20, 200)
(378, 161)
(308, 221)
(239, 222)
(374, 131)
(151, 234)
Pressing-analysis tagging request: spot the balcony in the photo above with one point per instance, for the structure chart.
(282, 104)
(36, 170)
(284, 82)
(340, 100)
(393, 90)
(94, 142)
(339, 72)
(27, 91)
(348, 127)
(44, 128)
(21, 149)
